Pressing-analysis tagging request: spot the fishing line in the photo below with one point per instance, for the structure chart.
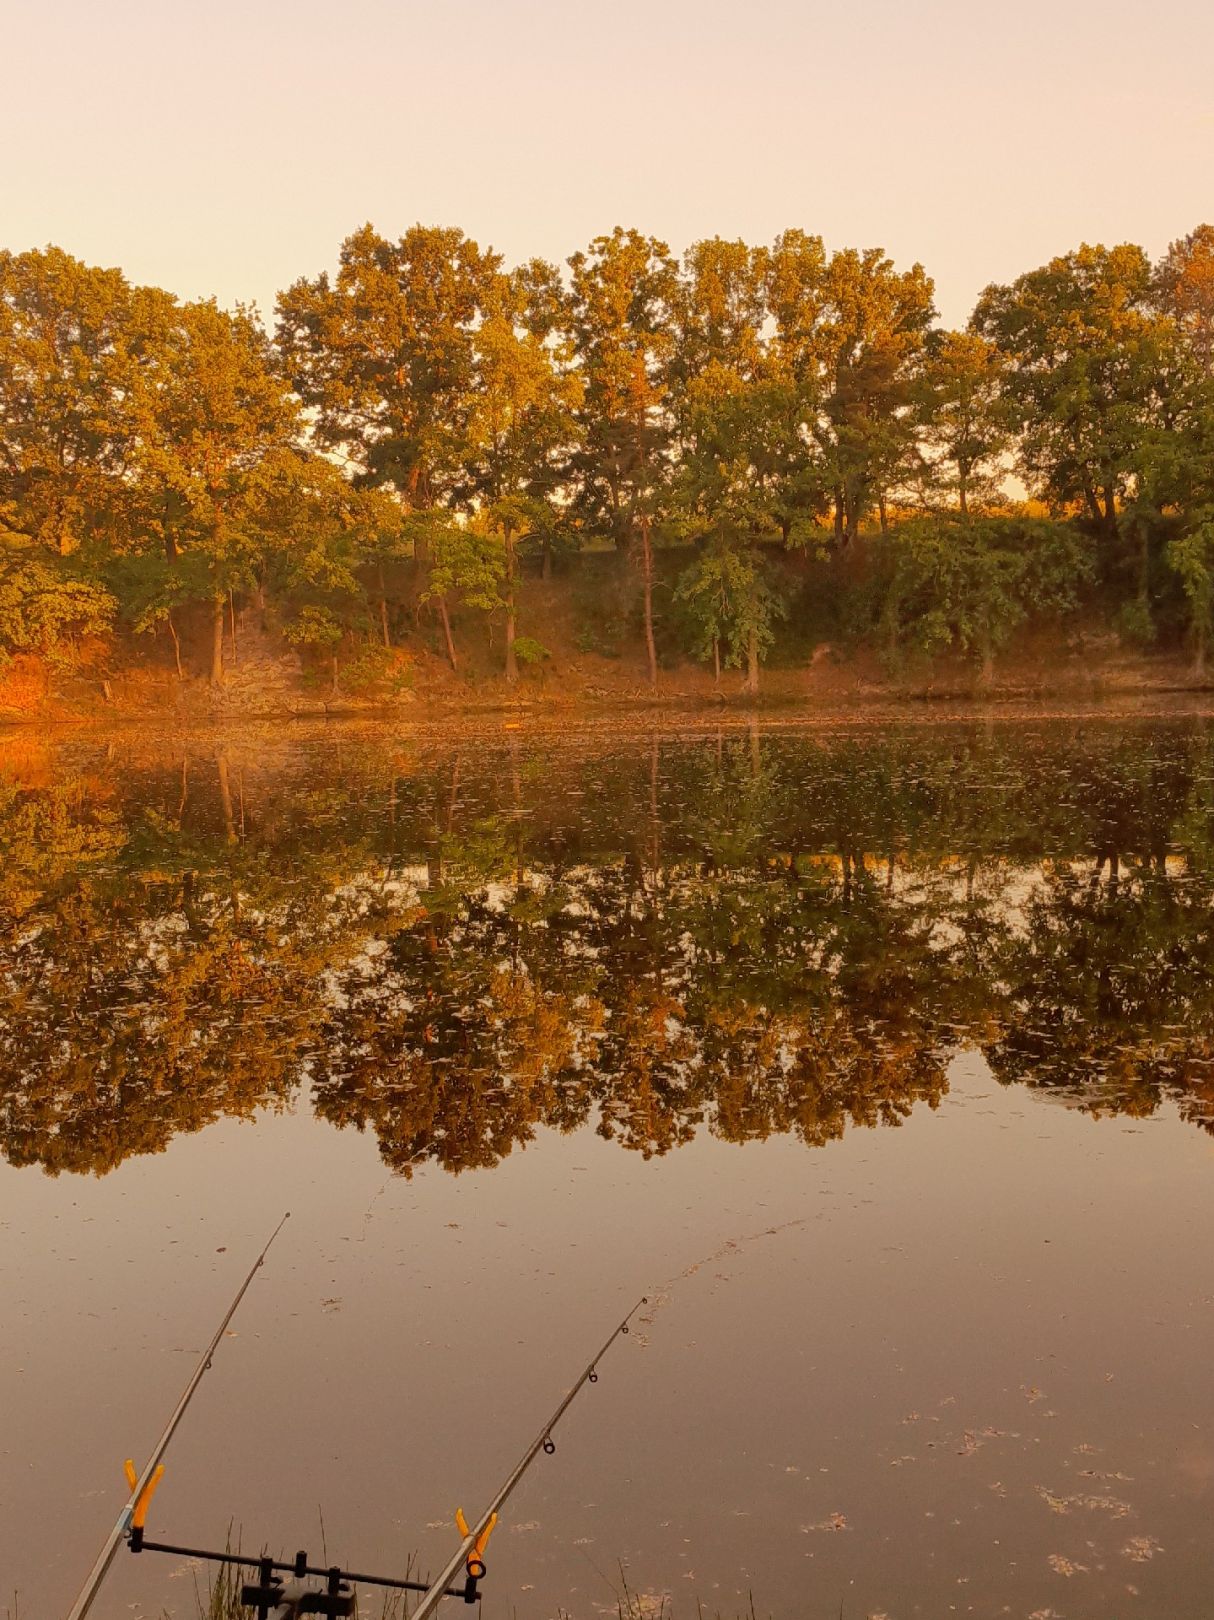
(660, 1297)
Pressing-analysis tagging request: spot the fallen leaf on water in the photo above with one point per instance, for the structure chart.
(1064, 1566)
(1141, 1549)
(837, 1521)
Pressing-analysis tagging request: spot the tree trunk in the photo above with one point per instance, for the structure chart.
(881, 513)
(217, 607)
(751, 683)
(1144, 565)
(232, 618)
(546, 566)
(1199, 651)
(168, 619)
(383, 607)
(963, 504)
(647, 574)
(1110, 508)
(851, 515)
(716, 659)
(446, 618)
(511, 664)
(414, 502)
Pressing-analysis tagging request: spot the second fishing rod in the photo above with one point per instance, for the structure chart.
(469, 1554)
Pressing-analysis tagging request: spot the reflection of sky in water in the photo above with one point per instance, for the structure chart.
(957, 1363)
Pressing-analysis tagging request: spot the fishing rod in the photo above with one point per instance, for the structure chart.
(267, 1594)
(470, 1552)
(143, 1485)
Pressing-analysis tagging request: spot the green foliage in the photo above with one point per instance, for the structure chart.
(313, 627)
(1134, 623)
(466, 566)
(530, 651)
(966, 586)
(383, 355)
(729, 606)
(369, 665)
(963, 428)
(79, 347)
(850, 334)
(1087, 363)
(604, 594)
(1191, 558)
(47, 608)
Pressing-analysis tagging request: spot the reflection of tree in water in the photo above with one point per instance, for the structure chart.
(741, 936)
(1111, 989)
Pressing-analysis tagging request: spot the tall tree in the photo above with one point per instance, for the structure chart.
(723, 491)
(850, 331)
(73, 341)
(520, 426)
(1083, 350)
(962, 429)
(216, 445)
(467, 566)
(382, 356)
(621, 316)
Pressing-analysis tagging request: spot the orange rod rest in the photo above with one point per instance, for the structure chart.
(139, 1516)
(482, 1541)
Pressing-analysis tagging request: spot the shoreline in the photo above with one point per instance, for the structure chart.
(682, 714)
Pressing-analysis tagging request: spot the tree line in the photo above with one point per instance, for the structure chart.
(427, 422)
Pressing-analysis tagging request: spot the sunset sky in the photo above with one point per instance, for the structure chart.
(227, 148)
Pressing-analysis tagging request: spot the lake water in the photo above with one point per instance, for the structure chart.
(879, 1058)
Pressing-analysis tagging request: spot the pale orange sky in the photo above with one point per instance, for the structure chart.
(227, 148)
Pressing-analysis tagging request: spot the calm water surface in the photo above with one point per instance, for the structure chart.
(879, 1058)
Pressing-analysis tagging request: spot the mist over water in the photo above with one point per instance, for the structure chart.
(880, 1057)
